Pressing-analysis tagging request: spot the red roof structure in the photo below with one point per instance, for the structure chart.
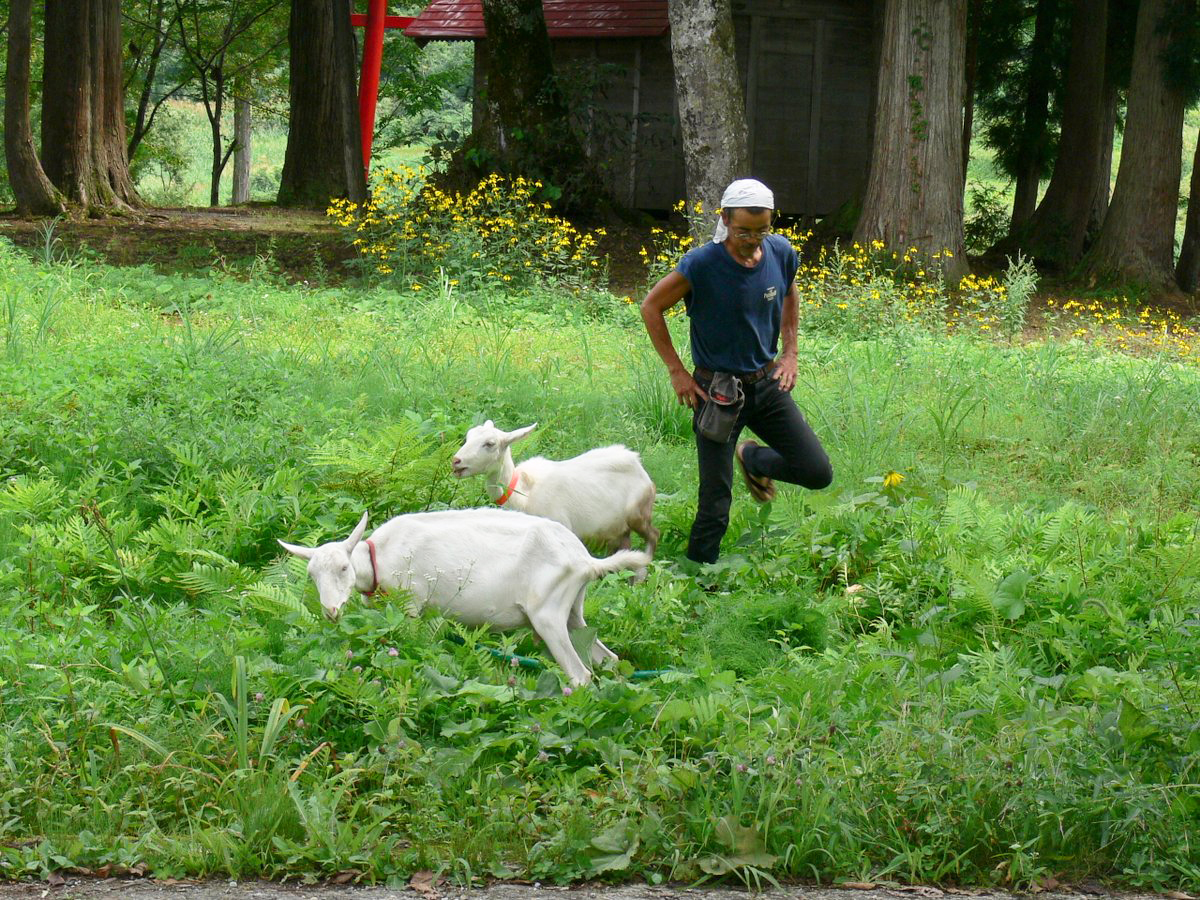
(463, 19)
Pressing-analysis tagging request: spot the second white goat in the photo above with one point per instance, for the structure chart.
(602, 495)
(480, 566)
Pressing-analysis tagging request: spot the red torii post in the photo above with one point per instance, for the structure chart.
(375, 20)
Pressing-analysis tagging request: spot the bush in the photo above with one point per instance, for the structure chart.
(499, 232)
(989, 222)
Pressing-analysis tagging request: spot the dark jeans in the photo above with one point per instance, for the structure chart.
(793, 454)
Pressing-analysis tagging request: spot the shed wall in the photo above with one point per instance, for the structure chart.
(808, 69)
(808, 73)
(624, 93)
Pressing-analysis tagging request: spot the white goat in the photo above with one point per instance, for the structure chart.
(480, 566)
(601, 495)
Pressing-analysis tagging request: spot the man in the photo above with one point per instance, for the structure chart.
(740, 294)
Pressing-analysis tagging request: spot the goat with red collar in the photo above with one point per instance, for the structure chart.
(602, 495)
(479, 566)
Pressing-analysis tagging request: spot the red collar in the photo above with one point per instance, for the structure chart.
(374, 570)
(508, 492)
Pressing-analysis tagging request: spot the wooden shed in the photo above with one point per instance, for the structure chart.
(808, 70)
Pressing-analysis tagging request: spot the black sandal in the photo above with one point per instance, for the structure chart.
(762, 489)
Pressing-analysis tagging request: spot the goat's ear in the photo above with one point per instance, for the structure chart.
(297, 550)
(489, 424)
(357, 533)
(513, 436)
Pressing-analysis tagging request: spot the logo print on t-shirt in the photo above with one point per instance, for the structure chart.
(770, 294)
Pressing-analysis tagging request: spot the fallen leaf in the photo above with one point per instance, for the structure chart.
(425, 883)
(1178, 895)
(345, 877)
(858, 885)
(56, 880)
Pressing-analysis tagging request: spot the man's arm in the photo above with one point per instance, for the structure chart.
(669, 291)
(785, 372)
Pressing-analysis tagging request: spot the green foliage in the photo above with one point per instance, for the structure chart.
(424, 92)
(160, 165)
(1009, 69)
(988, 222)
(970, 661)
(500, 232)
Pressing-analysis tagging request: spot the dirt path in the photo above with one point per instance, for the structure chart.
(76, 888)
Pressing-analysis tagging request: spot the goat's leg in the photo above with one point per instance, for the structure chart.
(650, 534)
(599, 653)
(641, 522)
(553, 630)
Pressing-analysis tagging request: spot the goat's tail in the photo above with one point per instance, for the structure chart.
(621, 561)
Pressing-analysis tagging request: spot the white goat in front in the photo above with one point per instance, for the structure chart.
(480, 566)
(601, 495)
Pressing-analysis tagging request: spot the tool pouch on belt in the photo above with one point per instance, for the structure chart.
(719, 414)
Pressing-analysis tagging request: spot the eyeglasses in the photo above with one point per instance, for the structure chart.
(745, 234)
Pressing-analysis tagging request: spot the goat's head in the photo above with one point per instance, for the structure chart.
(330, 568)
(484, 448)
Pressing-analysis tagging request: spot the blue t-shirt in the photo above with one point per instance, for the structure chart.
(735, 310)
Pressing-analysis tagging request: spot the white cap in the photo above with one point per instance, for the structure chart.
(743, 192)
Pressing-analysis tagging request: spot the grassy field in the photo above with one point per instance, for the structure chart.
(986, 673)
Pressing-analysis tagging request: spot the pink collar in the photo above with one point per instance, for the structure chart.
(508, 492)
(374, 570)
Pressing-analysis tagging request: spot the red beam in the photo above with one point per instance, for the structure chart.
(368, 83)
(360, 19)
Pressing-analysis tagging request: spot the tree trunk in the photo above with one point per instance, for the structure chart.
(32, 190)
(241, 150)
(323, 159)
(525, 127)
(712, 109)
(1187, 271)
(1103, 190)
(1033, 125)
(974, 24)
(146, 107)
(1056, 232)
(1137, 241)
(915, 187)
(83, 110)
(214, 107)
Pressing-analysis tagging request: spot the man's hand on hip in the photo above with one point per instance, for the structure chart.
(689, 393)
(785, 372)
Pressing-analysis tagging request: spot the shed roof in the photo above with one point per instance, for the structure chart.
(463, 19)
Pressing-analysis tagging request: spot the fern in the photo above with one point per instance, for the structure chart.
(399, 470)
(172, 536)
(212, 581)
(272, 597)
(34, 499)
(1065, 527)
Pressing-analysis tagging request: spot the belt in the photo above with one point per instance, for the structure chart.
(747, 378)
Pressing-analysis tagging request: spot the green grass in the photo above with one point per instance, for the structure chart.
(985, 675)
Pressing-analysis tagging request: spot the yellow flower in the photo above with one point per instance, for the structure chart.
(891, 480)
